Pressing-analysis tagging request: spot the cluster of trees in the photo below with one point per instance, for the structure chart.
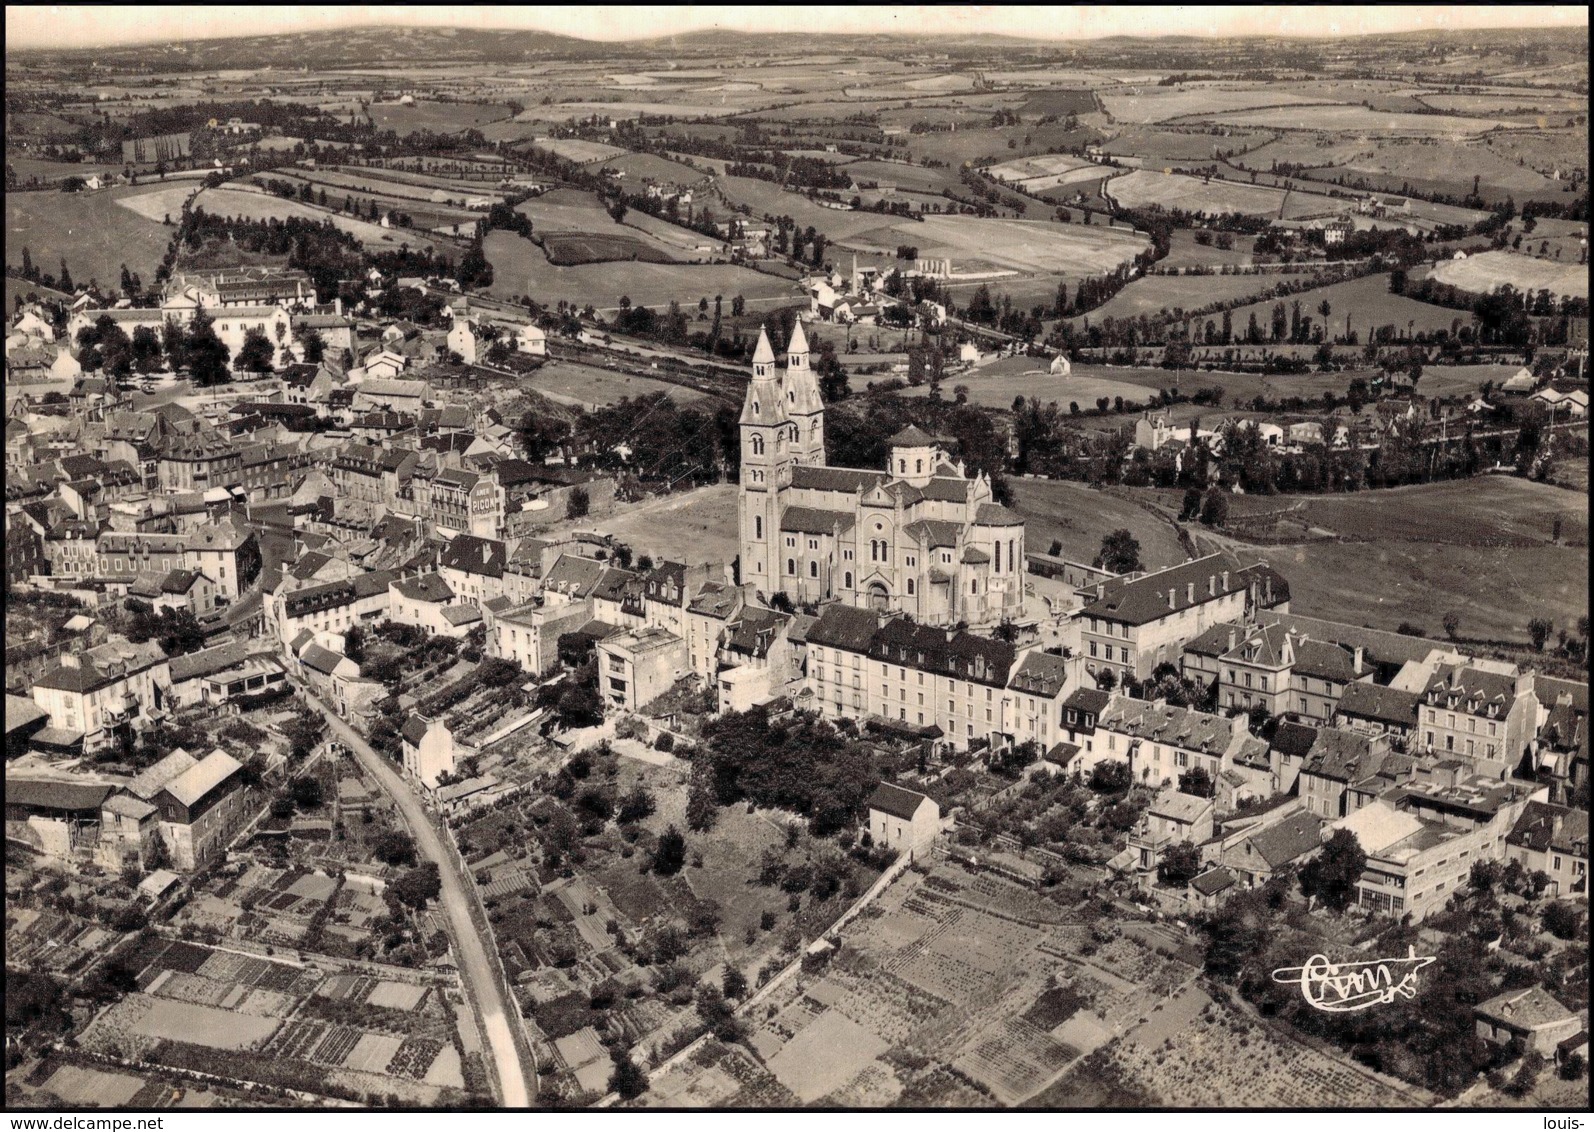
(802, 764)
(175, 630)
(856, 432)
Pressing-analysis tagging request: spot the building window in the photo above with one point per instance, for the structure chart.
(791, 566)
(813, 569)
(847, 579)
(910, 587)
(758, 526)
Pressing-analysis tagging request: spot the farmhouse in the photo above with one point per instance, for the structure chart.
(903, 820)
(201, 808)
(1529, 1015)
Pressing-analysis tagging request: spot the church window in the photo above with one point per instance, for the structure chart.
(902, 466)
(758, 526)
(974, 586)
(813, 544)
(918, 467)
(758, 441)
(998, 564)
(910, 587)
(813, 569)
(847, 579)
(791, 541)
(791, 566)
(1012, 562)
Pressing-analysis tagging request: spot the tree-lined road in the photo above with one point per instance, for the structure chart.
(476, 971)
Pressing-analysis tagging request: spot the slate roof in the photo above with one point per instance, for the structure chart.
(934, 533)
(53, 794)
(1528, 1008)
(573, 574)
(1178, 806)
(911, 437)
(1145, 599)
(194, 665)
(835, 479)
(1288, 840)
(1040, 673)
(1090, 700)
(715, 599)
(1324, 661)
(1164, 723)
(961, 654)
(995, 515)
(814, 521)
(1213, 881)
(428, 588)
(1536, 829)
(1342, 756)
(896, 801)
(206, 776)
(414, 730)
(1379, 703)
(1294, 740)
(844, 627)
(148, 782)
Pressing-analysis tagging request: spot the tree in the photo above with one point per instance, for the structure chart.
(636, 805)
(1197, 781)
(146, 350)
(1179, 865)
(1106, 680)
(1563, 920)
(206, 354)
(257, 352)
(306, 793)
(670, 853)
(315, 347)
(1539, 630)
(1110, 776)
(1190, 508)
(579, 503)
(1331, 876)
(1215, 507)
(1120, 552)
(1452, 623)
(395, 848)
(734, 984)
(702, 808)
(419, 886)
(627, 1080)
(66, 279)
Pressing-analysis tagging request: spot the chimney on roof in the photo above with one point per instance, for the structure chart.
(1231, 638)
(1172, 593)
(1101, 590)
(1357, 659)
(71, 660)
(1212, 585)
(1225, 581)
(1189, 592)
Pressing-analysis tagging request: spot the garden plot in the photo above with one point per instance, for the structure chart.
(876, 1087)
(397, 996)
(153, 1018)
(373, 1052)
(1487, 271)
(885, 1004)
(81, 1087)
(1016, 1060)
(825, 1055)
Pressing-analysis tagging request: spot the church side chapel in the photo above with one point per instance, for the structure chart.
(922, 537)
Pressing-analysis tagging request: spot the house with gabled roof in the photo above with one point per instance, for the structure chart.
(202, 807)
(903, 820)
(1553, 840)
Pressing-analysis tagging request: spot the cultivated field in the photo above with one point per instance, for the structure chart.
(1360, 119)
(1045, 172)
(88, 231)
(1081, 516)
(521, 268)
(1018, 245)
(913, 178)
(438, 117)
(574, 149)
(1152, 293)
(1489, 270)
(995, 385)
(1160, 104)
(1503, 103)
(1193, 194)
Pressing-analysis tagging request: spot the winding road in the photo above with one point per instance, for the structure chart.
(485, 991)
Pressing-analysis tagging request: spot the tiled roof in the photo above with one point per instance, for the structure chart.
(199, 780)
(1040, 673)
(473, 555)
(754, 630)
(995, 515)
(934, 533)
(911, 437)
(427, 587)
(1213, 881)
(835, 479)
(1179, 806)
(1145, 599)
(54, 794)
(1287, 840)
(814, 521)
(1164, 723)
(323, 660)
(1544, 826)
(1343, 756)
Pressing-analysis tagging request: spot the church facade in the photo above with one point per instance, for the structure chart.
(921, 537)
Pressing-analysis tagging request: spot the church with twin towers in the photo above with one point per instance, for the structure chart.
(920, 537)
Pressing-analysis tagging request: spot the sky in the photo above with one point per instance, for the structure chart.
(66, 26)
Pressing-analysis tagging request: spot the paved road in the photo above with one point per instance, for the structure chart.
(474, 967)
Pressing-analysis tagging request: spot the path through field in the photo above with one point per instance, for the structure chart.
(474, 968)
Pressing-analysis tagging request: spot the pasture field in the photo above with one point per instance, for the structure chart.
(765, 198)
(705, 109)
(1183, 251)
(983, 141)
(1161, 104)
(264, 206)
(1174, 144)
(1193, 194)
(1018, 245)
(1082, 516)
(1365, 301)
(570, 248)
(913, 178)
(412, 202)
(1359, 119)
(1025, 170)
(574, 149)
(160, 201)
(693, 526)
(1152, 293)
(88, 230)
(438, 117)
(522, 268)
(1488, 270)
(1029, 377)
(572, 382)
(650, 166)
(1412, 554)
(1419, 161)
(1503, 103)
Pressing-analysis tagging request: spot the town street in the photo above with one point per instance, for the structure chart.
(474, 969)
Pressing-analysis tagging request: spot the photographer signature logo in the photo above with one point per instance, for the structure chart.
(1347, 987)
